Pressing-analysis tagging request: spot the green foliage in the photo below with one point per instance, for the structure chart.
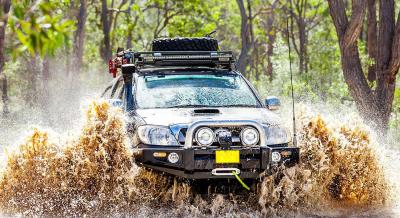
(40, 28)
(198, 18)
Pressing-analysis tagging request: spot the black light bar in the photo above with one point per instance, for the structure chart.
(223, 59)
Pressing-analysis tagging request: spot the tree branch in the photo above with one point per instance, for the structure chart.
(118, 11)
(337, 10)
(314, 20)
(292, 37)
(351, 64)
(289, 10)
(353, 30)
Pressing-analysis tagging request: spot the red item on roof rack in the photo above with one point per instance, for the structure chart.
(112, 69)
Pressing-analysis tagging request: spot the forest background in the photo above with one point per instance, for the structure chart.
(346, 54)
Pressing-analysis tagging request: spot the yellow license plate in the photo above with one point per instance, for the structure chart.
(227, 156)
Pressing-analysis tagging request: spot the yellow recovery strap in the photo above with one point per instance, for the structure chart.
(240, 180)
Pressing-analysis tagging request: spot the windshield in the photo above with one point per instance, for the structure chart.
(209, 90)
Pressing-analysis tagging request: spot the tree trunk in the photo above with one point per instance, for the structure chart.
(129, 39)
(271, 35)
(300, 15)
(372, 38)
(302, 46)
(374, 105)
(106, 49)
(4, 10)
(131, 25)
(385, 88)
(45, 95)
(79, 36)
(33, 73)
(243, 59)
(46, 69)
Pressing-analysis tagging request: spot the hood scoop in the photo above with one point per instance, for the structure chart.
(205, 111)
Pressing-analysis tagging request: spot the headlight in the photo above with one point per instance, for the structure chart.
(249, 136)
(156, 135)
(276, 135)
(205, 136)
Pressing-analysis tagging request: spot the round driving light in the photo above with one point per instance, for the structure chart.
(249, 136)
(275, 156)
(205, 136)
(173, 157)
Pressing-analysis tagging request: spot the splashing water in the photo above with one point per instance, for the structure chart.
(89, 173)
(94, 175)
(338, 168)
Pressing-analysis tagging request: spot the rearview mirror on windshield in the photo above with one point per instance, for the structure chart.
(272, 103)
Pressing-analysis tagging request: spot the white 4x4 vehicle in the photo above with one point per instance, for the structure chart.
(192, 115)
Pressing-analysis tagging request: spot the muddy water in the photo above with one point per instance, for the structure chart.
(341, 174)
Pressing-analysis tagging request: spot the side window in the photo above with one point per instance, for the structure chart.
(111, 88)
(118, 84)
(107, 92)
(120, 92)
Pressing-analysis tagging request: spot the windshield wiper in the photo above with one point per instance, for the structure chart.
(202, 105)
(239, 105)
(189, 105)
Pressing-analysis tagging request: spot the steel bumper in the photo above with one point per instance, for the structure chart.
(199, 163)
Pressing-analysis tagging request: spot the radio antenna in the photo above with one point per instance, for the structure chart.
(291, 82)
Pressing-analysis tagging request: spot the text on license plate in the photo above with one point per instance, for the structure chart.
(227, 156)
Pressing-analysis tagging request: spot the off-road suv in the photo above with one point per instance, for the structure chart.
(193, 115)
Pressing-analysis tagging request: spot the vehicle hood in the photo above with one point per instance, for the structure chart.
(167, 117)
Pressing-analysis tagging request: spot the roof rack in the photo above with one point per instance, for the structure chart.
(215, 59)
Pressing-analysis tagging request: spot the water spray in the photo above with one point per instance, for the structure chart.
(291, 82)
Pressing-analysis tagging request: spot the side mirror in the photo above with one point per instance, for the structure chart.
(115, 102)
(272, 103)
